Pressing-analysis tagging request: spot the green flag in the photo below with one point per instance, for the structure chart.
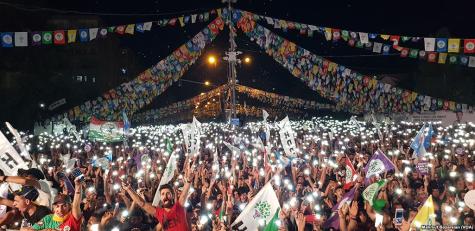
(370, 194)
(169, 146)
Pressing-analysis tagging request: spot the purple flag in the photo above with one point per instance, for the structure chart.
(378, 164)
(36, 38)
(333, 220)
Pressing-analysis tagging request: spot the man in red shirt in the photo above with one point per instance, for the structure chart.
(171, 215)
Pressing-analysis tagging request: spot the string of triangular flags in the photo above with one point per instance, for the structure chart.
(435, 50)
(69, 36)
(338, 83)
(177, 107)
(135, 94)
(281, 100)
(197, 104)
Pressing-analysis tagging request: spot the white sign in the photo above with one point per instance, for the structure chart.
(10, 160)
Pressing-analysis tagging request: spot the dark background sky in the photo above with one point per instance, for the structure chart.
(29, 76)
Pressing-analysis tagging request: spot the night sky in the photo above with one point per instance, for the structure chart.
(28, 78)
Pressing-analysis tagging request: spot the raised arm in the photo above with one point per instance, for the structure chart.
(76, 206)
(20, 180)
(186, 187)
(147, 207)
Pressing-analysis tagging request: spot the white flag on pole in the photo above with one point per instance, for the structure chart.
(167, 176)
(287, 137)
(10, 160)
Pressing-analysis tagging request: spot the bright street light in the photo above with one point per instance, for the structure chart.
(211, 60)
(207, 83)
(247, 60)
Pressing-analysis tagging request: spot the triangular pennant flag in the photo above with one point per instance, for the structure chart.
(386, 49)
(7, 39)
(193, 18)
(395, 40)
(47, 37)
(422, 54)
(139, 27)
(83, 35)
(385, 36)
(469, 46)
(429, 44)
(72, 36)
(454, 45)
(35, 38)
(206, 16)
(363, 37)
(441, 44)
(147, 26)
(103, 32)
(59, 37)
(336, 34)
(130, 29)
(219, 12)
(111, 29)
(404, 52)
(93, 33)
(442, 58)
(21, 39)
(180, 19)
(172, 22)
(432, 57)
(463, 60)
(453, 59)
(413, 53)
(471, 61)
(377, 47)
(328, 33)
(120, 29)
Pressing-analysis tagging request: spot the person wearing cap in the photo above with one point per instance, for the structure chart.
(171, 216)
(67, 215)
(32, 177)
(29, 210)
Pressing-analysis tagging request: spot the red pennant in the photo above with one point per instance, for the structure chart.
(336, 34)
(404, 52)
(59, 37)
(395, 40)
(469, 46)
(432, 57)
(172, 22)
(120, 29)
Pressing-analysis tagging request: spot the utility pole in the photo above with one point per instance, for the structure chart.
(232, 59)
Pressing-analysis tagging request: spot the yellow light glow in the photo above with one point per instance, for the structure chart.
(211, 60)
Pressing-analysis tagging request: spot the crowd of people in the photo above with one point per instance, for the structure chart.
(86, 185)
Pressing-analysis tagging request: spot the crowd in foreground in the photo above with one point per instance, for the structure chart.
(116, 186)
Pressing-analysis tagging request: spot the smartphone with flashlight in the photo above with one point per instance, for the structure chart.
(398, 216)
(379, 220)
(77, 173)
